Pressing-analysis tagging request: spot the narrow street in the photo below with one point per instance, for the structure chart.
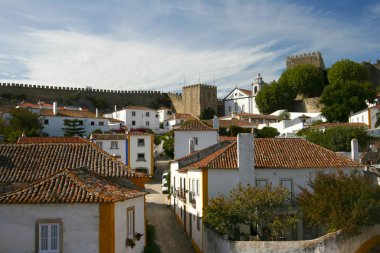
(170, 234)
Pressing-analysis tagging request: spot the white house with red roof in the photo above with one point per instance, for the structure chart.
(196, 132)
(134, 149)
(204, 174)
(73, 210)
(242, 100)
(135, 117)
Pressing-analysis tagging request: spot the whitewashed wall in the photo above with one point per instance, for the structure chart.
(121, 150)
(146, 149)
(121, 225)
(80, 226)
(181, 141)
(56, 123)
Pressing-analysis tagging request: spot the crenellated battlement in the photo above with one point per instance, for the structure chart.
(199, 85)
(313, 58)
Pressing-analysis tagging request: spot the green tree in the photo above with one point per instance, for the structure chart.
(169, 144)
(340, 201)
(207, 113)
(336, 138)
(97, 131)
(275, 96)
(344, 97)
(285, 115)
(25, 120)
(261, 207)
(347, 70)
(267, 132)
(235, 130)
(306, 79)
(73, 127)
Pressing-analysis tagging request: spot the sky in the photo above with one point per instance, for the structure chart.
(162, 45)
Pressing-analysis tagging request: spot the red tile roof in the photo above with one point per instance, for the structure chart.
(291, 153)
(70, 186)
(135, 107)
(25, 163)
(194, 125)
(185, 116)
(70, 113)
(137, 133)
(227, 138)
(257, 116)
(246, 92)
(232, 122)
(109, 136)
(51, 140)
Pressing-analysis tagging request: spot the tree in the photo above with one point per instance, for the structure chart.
(285, 115)
(207, 113)
(22, 121)
(306, 79)
(169, 144)
(344, 97)
(73, 127)
(97, 131)
(336, 138)
(235, 130)
(261, 207)
(267, 132)
(275, 96)
(347, 70)
(340, 201)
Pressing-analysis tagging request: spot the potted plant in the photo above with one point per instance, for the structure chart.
(130, 243)
(138, 236)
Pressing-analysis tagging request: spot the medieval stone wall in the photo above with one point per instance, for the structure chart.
(198, 97)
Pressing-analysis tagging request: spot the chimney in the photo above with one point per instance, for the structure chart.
(191, 145)
(245, 159)
(215, 122)
(115, 108)
(96, 113)
(55, 108)
(355, 150)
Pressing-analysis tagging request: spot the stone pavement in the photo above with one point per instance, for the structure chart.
(170, 234)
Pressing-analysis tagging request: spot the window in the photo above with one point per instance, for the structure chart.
(147, 114)
(260, 183)
(236, 107)
(288, 184)
(198, 222)
(229, 109)
(92, 123)
(131, 222)
(140, 157)
(101, 123)
(49, 236)
(114, 145)
(156, 115)
(46, 122)
(195, 140)
(147, 123)
(197, 187)
(140, 142)
(133, 123)
(169, 112)
(100, 144)
(133, 113)
(242, 108)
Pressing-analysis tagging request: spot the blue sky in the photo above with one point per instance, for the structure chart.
(160, 45)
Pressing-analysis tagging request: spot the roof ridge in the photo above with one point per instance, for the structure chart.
(222, 150)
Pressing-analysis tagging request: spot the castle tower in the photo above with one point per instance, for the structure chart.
(257, 85)
(314, 58)
(198, 97)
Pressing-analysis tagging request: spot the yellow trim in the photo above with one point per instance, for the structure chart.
(204, 196)
(369, 119)
(107, 228)
(198, 250)
(151, 155)
(366, 246)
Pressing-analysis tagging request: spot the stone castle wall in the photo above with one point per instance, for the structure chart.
(115, 97)
(198, 97)
(177, 102)
(314, 58)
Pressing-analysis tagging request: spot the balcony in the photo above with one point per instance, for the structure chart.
(181, 194)
(192, 199)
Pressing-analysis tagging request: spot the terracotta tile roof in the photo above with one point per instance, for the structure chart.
(257, 116)
(70, 113)
(109, 136)
(327, 125)
(70, 186)
(163, 108)
(246, 92)
(6, 109)
(229, 122)
(135, 107)
(25, 163)
(51, 140)
(278, 153)
(194, 125)
(227, 138)
(137, 133)
(114, 120)
(185, 116)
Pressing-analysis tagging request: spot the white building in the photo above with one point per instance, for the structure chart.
(215, 170)
(53, 120)
(242, 100)
(296, 122)
(134, 149)
(135, 117)
(176, 119)
(193, 131)
(72, 210)
(164, 114)
(368, 116)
